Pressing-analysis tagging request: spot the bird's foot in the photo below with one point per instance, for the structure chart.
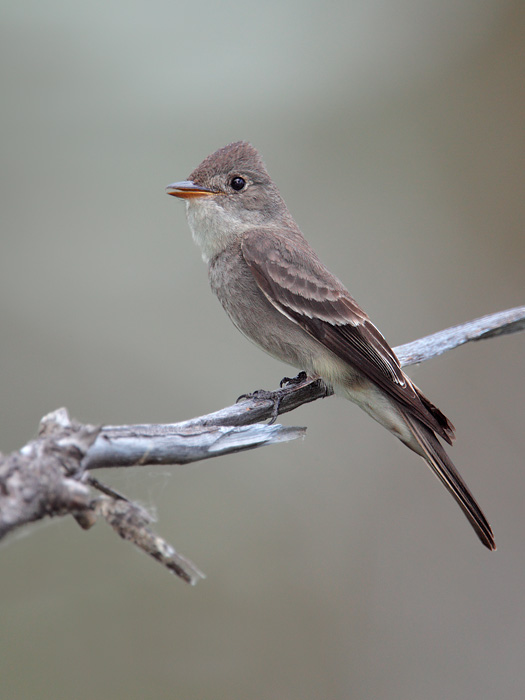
(287, 385)
(293, 381)
(265, 395)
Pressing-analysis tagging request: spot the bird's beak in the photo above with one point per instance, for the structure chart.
(188, 190)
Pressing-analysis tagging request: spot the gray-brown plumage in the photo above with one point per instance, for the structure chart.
(279, 294)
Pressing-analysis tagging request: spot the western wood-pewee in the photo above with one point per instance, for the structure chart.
(280, 295)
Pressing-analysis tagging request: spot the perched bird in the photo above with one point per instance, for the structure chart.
(280, 295)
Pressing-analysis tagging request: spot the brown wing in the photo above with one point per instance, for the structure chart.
(295, 281)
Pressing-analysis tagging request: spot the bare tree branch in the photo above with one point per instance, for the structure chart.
(179, 443)
(51, 475)
(501, 323)
(289, 398)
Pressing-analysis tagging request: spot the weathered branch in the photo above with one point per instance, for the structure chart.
(491, 326)
(253, 410)
(51, 476)
(179, 443)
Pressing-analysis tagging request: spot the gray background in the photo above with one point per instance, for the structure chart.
(337, 567)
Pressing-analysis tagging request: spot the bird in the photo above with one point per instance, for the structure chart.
(279, 294)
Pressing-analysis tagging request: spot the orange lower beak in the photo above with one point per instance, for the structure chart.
(188, 190)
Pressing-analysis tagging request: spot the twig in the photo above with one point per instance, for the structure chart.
(50, 476)
(491, 326)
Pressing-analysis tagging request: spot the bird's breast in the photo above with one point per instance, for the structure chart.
(254, 315)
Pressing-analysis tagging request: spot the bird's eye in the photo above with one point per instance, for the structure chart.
(237, 183)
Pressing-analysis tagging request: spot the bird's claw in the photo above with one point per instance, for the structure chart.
(265, 395)
(293, 381)
(275, 397)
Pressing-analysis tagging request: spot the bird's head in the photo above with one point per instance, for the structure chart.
(229, 193)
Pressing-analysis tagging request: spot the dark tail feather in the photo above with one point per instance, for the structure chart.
(444, 469)
(445, 427)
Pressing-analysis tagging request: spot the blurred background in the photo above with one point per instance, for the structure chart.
(338, 566)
